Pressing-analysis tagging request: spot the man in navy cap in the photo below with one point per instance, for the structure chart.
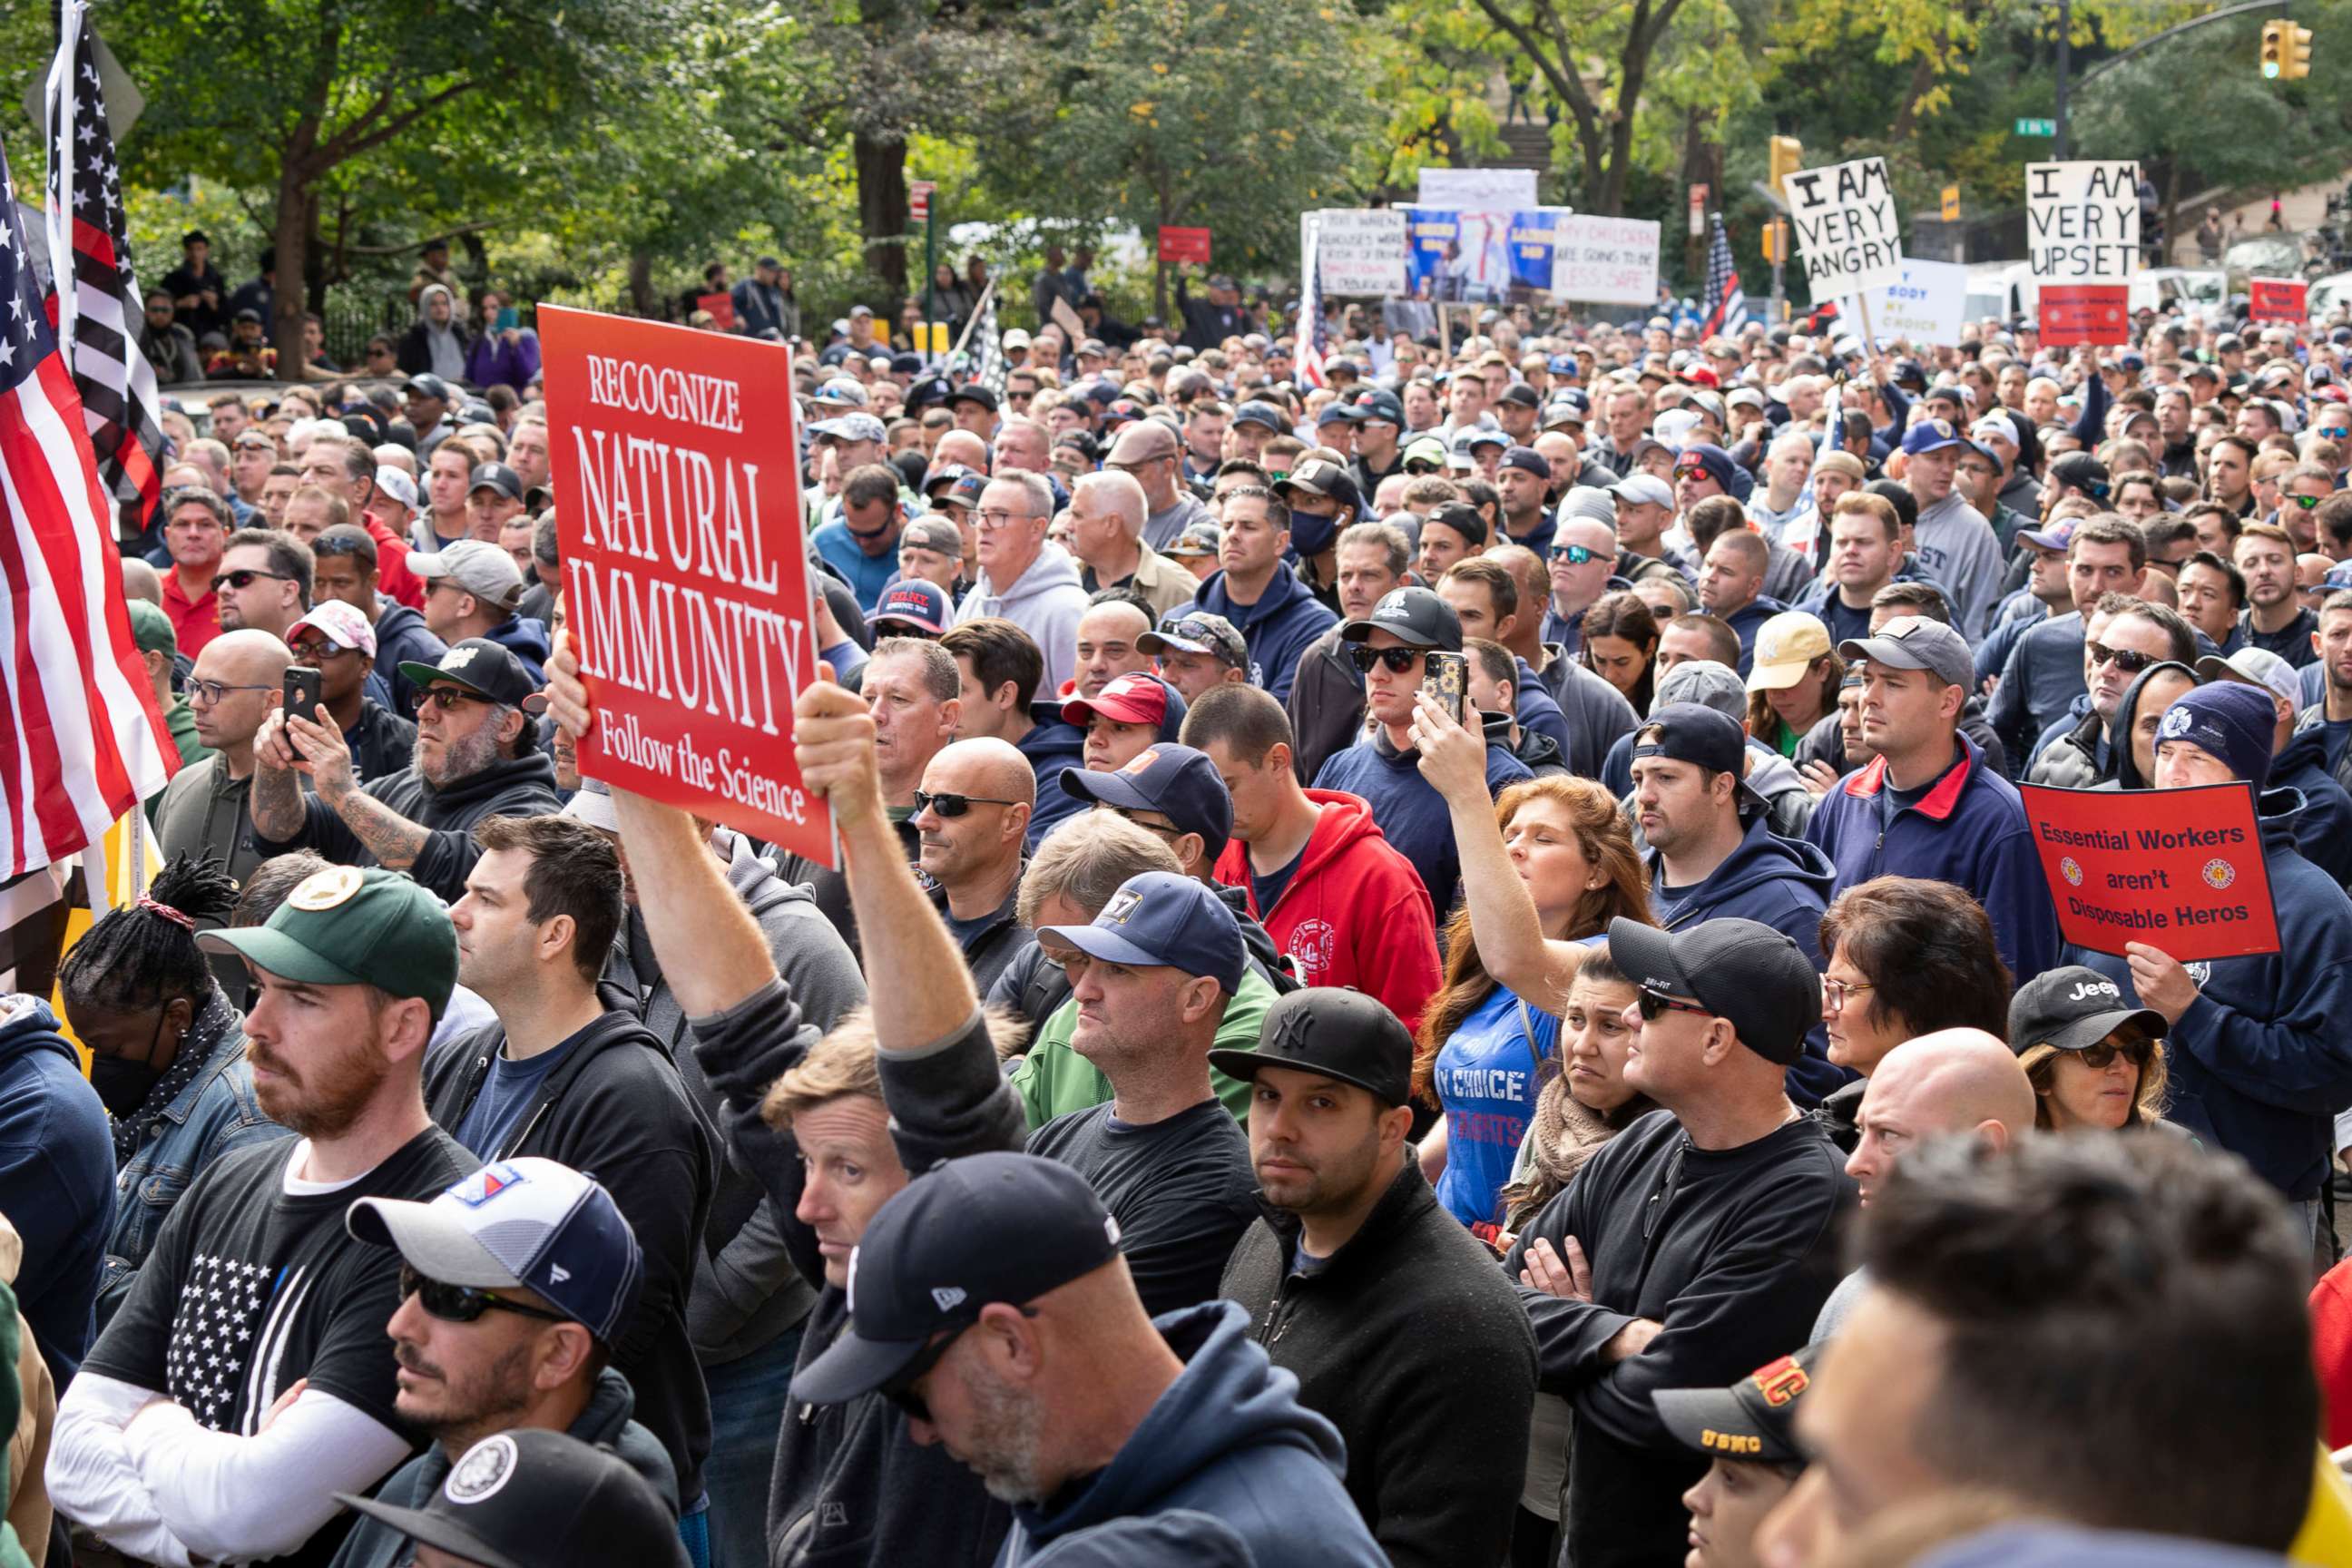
(1380, 428)
(995, 1309)
(1351, 1267)
(2256, 1050)
(1696, 1243)
(1524, 479)
(1955, 544)
(1324, 501)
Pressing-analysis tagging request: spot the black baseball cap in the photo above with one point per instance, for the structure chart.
(2073, 1008)
(1414, 616)
(1703, 736)
(535, 1498)
(978, 392)
(479, 665)
(2084, 471)
(1529, 461)
(1753, 1421)
(497, 477)
(1736, 969)
(1521, 393)
(984, 1229)
(1320, 476)
(1464, 519)
(428, 385)
(1338, 1032)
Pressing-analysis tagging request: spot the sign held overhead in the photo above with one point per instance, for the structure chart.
(1846, 229)
(2082, 221)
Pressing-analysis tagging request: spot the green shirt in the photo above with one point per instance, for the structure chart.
(1054, 1080)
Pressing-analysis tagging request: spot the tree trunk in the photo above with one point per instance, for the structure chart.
(297, 216)
(882, 206)
(642, 299)
(316, 263)
(2172, 217)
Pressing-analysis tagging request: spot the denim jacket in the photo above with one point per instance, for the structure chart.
(216, 1114)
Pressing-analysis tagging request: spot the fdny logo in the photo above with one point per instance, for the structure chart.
(486, 1467)
(326, 890)
(2200, 971)
(1141, 760)
(2072, 869)
(485, 1184)
(2218, 874)
(1312, 943)
(2175, 725)
(457, 658)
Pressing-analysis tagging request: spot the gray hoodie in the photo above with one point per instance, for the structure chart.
(1046, 601)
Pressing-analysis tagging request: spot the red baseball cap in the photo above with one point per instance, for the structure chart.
(1131, 698)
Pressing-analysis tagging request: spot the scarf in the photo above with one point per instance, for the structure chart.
(1563, 1136)
(216, 1022)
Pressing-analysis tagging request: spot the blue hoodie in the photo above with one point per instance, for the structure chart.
(1786, 883)
(1228, 1439)
(1278, 628)
(525, 637)
(2323, 828)
(1051, 744)
(2261, 1060)
(56, 1181)
(1969, 830)
(1745, 622)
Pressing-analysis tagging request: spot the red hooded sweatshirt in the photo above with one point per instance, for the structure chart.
(1355, 913)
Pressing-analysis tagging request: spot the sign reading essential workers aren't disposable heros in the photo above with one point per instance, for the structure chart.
(2180, 870)
(685, 584)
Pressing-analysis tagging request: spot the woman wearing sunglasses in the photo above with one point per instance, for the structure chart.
(1545, 868)
(2095, 1061)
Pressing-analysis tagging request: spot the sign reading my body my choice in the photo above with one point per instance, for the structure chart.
(686, 585)
(2180, 870)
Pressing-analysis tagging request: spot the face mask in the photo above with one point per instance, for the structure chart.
(122, 1084)
(1312, 535)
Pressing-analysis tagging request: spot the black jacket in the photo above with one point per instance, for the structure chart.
(1410, 1342)
(851, 1487)
(988, 950)
(510, 787)
(615, 1109)
(381, 743)
(1325, 704)
(1733, 1250)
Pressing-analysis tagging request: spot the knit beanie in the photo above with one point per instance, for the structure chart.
(2230, 720)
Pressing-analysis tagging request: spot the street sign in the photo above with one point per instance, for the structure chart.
(1951, 203)
(1697, 210)
(2037, 127)
(918, 199)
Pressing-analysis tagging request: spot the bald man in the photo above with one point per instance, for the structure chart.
(141, 580)
(1108, 640)
(1953, 1082)
(1151, 454)
(207, 807)
(961, 446)
(971, 817)
(1107, 510)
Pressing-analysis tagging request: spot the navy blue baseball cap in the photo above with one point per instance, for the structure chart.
(1531, 460)
(1162, 921)
(1380, 403)
(523, 1224)
(1178, 782)
(1931, 435)
(1414, 616)
(1257, 413)
(1335, 413)
(998, 1229)
(912, 602)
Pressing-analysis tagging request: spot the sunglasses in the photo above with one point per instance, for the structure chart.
(2307, 502)
(449, 697)
(2123, 659)
(901, 1390)
(1651, 1004)
(1574, 554)
(952, 806)
(245, 577)
(1399, 660)
(2099, 1058)
(463, 1303)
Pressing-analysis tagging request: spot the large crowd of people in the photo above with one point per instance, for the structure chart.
(1440, 965)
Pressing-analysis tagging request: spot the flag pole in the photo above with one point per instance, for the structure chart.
(978, 308)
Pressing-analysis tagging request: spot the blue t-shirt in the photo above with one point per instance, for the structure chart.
(507, 1093)
(1489, 1075)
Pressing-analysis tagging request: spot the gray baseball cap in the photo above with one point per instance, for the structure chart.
(485, 571)
(1587, 501)
(1644, 488)
(1914, 642)
(1705, 682)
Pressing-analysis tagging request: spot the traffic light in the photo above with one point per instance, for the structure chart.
(1786, 156)
(2297, 63)
(2274, 48)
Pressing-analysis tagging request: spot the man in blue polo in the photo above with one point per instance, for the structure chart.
(1955, 544)
(1928, 804)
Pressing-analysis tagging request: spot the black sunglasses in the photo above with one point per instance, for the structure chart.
(2100, 1057)
(952, 806)
(464, 1303)
(2123, 659)
(245, 577)
(1399, 660)
(1650, 1003)
(449, 697)
(900, 1389)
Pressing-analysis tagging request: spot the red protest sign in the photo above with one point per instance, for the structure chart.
(722, 307)
(2073, 314)
(684, 580)
(1184, 245)
(2278, 300)
(2180, 869)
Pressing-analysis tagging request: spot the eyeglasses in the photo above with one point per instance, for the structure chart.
(989, 521)
(952, 806)
(2123, 659)
(320, 651)
(1399, 660)
(1574, 554)
(1837, 993)
(2099, 1058)
(1167, 830)
(451, 698)
(1650, 1003)
(463, 1303)
(212, 691)
(2307, 502)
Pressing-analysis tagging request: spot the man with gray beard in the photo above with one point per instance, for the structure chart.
(476, 756)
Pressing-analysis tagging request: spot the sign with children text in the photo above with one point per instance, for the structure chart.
(686, 585)
(2180, 870)
(1846, 230)
(2082, 221)
(1605, 261)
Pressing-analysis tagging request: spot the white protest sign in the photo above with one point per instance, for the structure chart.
(1360, 251)
(1477, 190)
(1925, 306)
(2082, 221)
(1605, 261)
(1844, 218)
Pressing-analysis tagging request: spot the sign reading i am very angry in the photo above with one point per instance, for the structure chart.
(1846, 230)
(685, 584)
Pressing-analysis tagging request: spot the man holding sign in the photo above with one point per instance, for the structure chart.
(2259, 1056)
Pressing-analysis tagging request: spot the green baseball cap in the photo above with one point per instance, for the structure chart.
(151, 628)
(345, 926)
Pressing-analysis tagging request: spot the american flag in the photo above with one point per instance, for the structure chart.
(987, 345)
(80, 740)
(98, 318)
(1313, 336)
(1726, 307)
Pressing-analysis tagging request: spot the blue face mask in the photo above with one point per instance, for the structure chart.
(1311, 535)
